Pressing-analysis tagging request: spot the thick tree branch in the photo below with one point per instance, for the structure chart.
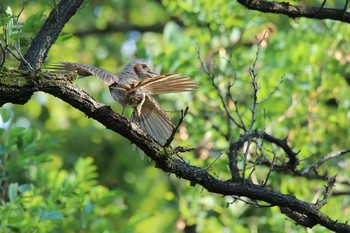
(18, 85)
(49, 32)
(294, 11)
(292, 156)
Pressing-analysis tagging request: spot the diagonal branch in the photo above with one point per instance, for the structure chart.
(49, 32)
(16, 84)
(295, 11)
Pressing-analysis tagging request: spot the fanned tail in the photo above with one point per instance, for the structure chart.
(154, 120)
(82, 70)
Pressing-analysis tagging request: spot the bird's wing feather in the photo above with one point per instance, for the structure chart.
(168, 83)
(83, 70)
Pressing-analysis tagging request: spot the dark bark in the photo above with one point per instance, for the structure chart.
(295, 11)
(49, 32)
(16, 85)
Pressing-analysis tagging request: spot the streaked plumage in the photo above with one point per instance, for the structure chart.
(129, 91)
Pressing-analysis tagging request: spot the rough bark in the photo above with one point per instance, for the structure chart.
(295, 11)
(17, 86)
(48, 33)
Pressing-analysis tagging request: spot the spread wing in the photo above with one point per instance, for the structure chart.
(168, 83)
(82, 70)
(154, 120)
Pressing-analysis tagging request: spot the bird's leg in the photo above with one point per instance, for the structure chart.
(139, 105)
(123, 110)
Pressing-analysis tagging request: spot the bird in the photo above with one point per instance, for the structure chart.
(134, 87)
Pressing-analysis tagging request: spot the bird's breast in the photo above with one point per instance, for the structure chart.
(127, 98)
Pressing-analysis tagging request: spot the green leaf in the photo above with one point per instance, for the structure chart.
(13, 228)
(16, 131)
(63, 38)
(172, 33)
(8, 11)
(13, 192)
(29, 138)
(24, 188)
(139, 218)
(84, 217)
(34, 21)
(2, 150)
(5, 115)
(49, 215)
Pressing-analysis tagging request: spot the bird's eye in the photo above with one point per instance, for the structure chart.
(138, 68)
(144, 66)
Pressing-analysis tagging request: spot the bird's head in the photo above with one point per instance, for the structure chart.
(141, 69)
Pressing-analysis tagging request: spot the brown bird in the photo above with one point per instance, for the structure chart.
(134, 87)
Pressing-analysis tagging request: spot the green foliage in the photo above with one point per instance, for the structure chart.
(74, 183)
(8, 26)
(33, 23)
(39, 196)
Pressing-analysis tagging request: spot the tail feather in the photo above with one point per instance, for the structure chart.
(154, 120)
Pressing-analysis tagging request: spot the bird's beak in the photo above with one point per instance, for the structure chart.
(152, 74)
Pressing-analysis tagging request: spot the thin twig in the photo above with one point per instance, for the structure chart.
(252, 202)
(223, 102)
(231, 84)
(6, 48)
(3, 58)
(270, 170)
(212, 163)
(217, 128)
(341, 193)
(321, 7)
(273, 91)
(236, 107)
(18, 47)
(327, 192)
(345, 7)
(54, 8)
(230, 49)
(256, 89)
(201, 61)
(16, 56)
(182, 116)
(324, 159)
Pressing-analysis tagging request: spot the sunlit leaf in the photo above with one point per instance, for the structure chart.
(49, 215)
(63, 38)
(85, 213)
(5, 116)
(13, 191)
(34, 21)
(24, 188)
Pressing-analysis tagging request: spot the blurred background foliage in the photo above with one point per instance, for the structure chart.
(67, 173)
